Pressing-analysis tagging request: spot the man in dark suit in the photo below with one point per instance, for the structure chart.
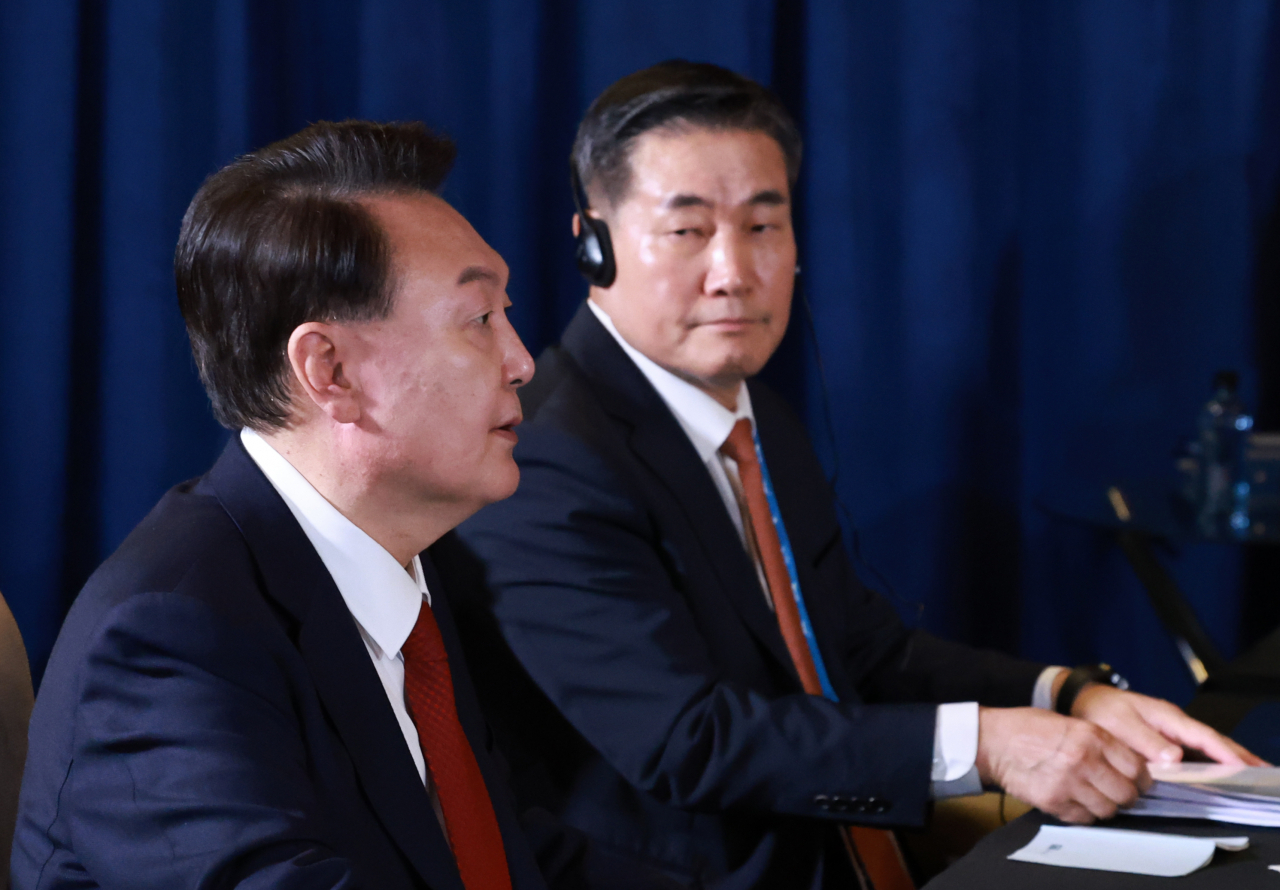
(707, 684)
(263, 686)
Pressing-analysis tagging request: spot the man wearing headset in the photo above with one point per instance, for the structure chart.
(710, 688)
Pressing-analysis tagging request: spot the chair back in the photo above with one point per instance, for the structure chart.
(16, 700)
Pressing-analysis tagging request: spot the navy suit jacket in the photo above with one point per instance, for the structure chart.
(210, 718)
(661, 712)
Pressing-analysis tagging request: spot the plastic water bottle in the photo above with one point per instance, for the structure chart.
(1223, 495)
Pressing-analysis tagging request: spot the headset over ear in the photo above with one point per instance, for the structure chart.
(594, 250)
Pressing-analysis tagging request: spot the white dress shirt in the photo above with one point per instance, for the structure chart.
(383, 598)
(708, 423)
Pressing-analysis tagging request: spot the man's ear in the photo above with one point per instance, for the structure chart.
(316, 354)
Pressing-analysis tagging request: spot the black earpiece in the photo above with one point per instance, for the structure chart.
(594, 249)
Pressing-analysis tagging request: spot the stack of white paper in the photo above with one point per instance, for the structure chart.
(1248, 795)
(1114, 849)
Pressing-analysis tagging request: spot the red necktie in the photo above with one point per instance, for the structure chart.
(464, 799)
(877, 856)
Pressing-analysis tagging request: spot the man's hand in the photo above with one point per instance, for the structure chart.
(1154, 728)
(1069, 768)
(1086, 766)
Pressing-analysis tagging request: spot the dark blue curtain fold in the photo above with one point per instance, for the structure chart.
(1030, 232)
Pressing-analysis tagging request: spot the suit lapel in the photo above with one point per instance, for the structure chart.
(659, 442)
(345, 679)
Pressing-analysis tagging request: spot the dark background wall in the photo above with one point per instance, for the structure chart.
(1030, 233)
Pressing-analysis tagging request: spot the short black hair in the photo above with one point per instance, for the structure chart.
(279, 237)
(671, 94)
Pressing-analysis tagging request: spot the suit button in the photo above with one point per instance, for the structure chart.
(883, 806)
(823, 802)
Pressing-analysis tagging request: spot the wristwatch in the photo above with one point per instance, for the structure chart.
(1080, 678)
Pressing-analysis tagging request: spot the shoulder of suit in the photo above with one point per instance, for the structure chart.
(567, 434)
(561, 396)
(770, 407)
(555, 371)
(187, 544)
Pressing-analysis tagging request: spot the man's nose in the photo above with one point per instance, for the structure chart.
(518, 363)
(731, 270)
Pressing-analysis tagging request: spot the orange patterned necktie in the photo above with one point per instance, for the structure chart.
(873, 851)
(468, 812)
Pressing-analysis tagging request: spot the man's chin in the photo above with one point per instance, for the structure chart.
(503, 484)
(728, 356)
(733, 370)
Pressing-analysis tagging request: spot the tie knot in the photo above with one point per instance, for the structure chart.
(741, 445)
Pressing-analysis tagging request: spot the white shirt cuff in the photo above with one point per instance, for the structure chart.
(1042, 695)
(955, 751)
(955, 740)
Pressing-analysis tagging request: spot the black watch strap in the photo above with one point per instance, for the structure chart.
(1080, 678)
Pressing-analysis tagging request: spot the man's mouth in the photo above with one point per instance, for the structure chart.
(507, 430)
(732, 322)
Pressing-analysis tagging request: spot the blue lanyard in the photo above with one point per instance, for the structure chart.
(790, 560)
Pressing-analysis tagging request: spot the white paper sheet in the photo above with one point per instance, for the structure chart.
(1241, 795)
(1262, 782)
(1117, 849)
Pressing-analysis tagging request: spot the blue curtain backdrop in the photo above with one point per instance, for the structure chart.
(1030, 233)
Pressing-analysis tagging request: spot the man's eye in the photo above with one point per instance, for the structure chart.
(484, 319)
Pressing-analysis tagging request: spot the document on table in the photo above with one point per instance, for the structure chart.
(1244, 795)
(1117, 849)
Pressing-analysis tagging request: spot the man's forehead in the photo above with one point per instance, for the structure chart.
(700, 167)
(425, 231)
(417, 216)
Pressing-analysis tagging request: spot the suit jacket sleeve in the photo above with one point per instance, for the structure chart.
(188, 768)
(587, 593)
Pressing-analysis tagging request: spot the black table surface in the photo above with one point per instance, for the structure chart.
(987, 865)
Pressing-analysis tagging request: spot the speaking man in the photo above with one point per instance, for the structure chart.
(711, 688)
(263, 687)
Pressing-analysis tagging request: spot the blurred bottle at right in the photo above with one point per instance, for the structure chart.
(1222, 488)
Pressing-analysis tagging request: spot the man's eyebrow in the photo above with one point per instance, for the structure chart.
(477, 273)
(770, 198)
(675, 202)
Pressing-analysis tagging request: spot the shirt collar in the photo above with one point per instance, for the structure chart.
(379, 593)
(705, 421)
